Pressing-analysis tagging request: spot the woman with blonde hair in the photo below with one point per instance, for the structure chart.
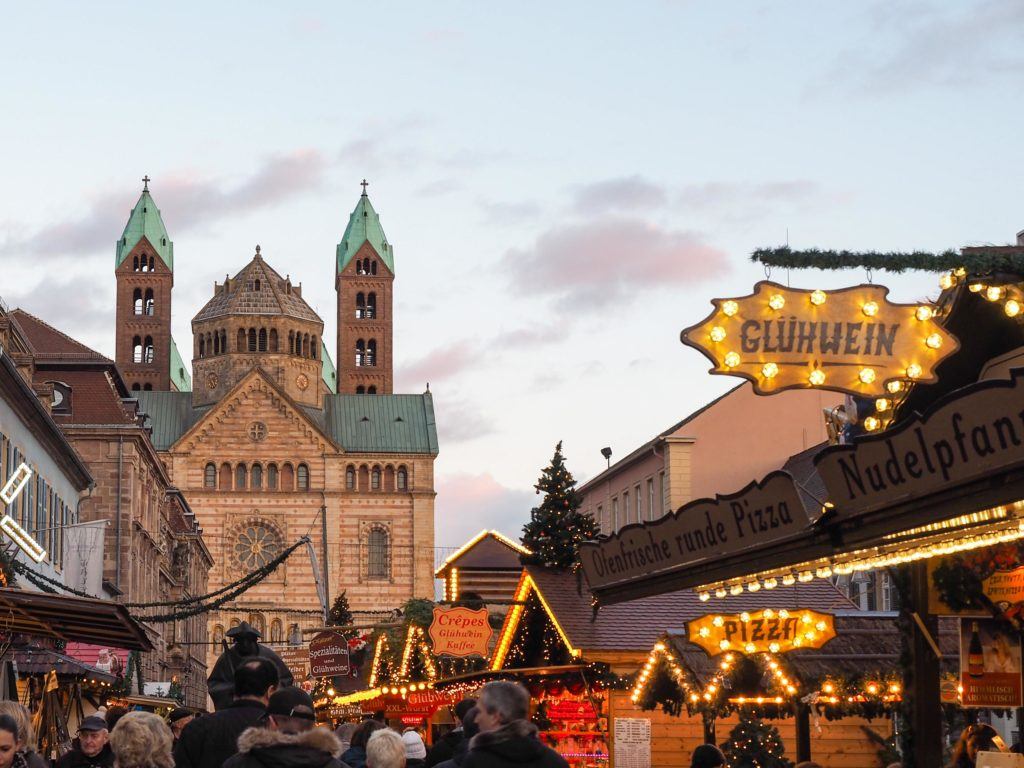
(26, 736)
(142, 740)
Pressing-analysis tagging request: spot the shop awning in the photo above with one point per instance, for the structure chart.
(39, 661)
(70, 619)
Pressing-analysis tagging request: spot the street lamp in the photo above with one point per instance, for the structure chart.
(607, 453)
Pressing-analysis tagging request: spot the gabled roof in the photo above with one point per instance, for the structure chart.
(145, 222)
(48, 343)
(364, 226)
(637, 624)
(382, 423)
(180, 378)
(488, 550)
(239, 296)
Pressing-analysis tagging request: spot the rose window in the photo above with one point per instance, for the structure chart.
(256, 545)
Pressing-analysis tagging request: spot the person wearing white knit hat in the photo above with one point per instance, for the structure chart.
(415, 750)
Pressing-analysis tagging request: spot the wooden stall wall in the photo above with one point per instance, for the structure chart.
(839, 744)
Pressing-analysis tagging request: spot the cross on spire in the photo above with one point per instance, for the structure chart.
(145, 183)
(364, 183)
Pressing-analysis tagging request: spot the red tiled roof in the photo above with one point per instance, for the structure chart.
(93, 397)
(87, 653)
(47, 342)
(637, 624)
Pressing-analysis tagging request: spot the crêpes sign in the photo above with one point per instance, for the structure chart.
(762, 512)
(971, 432)
(850, 340)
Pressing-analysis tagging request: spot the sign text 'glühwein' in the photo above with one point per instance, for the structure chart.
(969, 433)
(762, 512)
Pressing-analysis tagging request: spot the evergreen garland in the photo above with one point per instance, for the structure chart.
(977, 261)
(755, 744)
(557, 527)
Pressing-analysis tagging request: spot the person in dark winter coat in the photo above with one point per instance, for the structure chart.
(507, 739)
(355, 755)
(208, 741)
(92, 747)
(470, 728)
(444, 748)
(290, 738)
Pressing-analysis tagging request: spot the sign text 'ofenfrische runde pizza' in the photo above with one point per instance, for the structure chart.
(767, 631)
(969, 433)
(460, 632)
(762, 512)
(850, 340)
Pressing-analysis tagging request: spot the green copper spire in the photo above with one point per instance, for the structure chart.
(364, 225)
(145, 222)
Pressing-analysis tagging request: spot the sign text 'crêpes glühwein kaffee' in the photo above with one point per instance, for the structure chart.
(969, 433)
(763, 512)
(850, 340)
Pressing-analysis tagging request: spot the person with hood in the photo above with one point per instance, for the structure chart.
(444, 748)
(289, 737)
(355, 755)
(92, 747)
(507, 739)
(208, 741)
(470, 729)
(707, 756)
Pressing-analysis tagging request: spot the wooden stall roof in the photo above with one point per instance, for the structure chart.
(488, 550)
(865, 641)
(70, 619)
(40, 661)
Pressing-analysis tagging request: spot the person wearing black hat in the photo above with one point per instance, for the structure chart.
(178, 719)
(289, 737)
(245, 646)
(92, 747)
(707, 756)
(208, 741)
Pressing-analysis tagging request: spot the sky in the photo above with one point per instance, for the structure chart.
(566, 185)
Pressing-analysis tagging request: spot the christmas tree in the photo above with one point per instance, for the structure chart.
(755, 744)
(557, 527)
(340, 614)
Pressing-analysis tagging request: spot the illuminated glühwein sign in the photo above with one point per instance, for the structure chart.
(851, 340)
(766, 631)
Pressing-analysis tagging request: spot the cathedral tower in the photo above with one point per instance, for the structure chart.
(364, 280)
(144, 268)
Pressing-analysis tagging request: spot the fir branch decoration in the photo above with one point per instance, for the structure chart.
(977, 261)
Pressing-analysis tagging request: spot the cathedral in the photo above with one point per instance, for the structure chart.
(270, 441)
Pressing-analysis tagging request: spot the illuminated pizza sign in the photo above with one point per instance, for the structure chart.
(851, 340)
(766, 631)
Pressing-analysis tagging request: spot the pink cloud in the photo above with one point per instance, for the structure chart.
(468, 503)
(438, 365)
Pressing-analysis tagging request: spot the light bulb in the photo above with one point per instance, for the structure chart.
(924, 313)
(882, 404)
(866, 375)
(913, 371)
(721, 592)
(705, 596)
(816, 377)
(717, 333)
(783, 613)
(871, 423)
(770, 584)
(773, 647)
(704, 632)
(934, 340)
(787, 581)
(724, 644)
(718, 621)
(869, 308)
(818, 298)
(777, 301)
(730, 308)
(753, 586)
(731, 360)
(1011, 308)
(736, 589)
(744, 617)
(946, 281)
(750, 648)
(993, 293)
(770, 370)
(975, 287)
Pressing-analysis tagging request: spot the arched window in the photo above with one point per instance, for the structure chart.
(137, 301)
(378, 554)
(305, 345)
(364, 478)
(360, 305)
(252, 339)
(257, 622)
(287, 478)
(256, 478)
(389, 478)
(147, 353)
(263, 339)
(218, 635)
(350, 478)
(147, 387)
(136, 387)
(273, 340)
(312, 347)
(360, 352)
(240, 344)
(137, 349)
(276, 631)
(294, 635)
(225, 477)
(373, 267)
(144, 264)
(135, 263)
(240, 477)
(271, 477)
(402, 479)
(202, 345)
(375, 479)
(360, 390)
(371, 306)
(302, 476)
(223, 342)
(291, 342)
(372, 390)
(235, 622)
(216, 343)
(371, 352)
(210, 476)
(150, 305)
(256, 286)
